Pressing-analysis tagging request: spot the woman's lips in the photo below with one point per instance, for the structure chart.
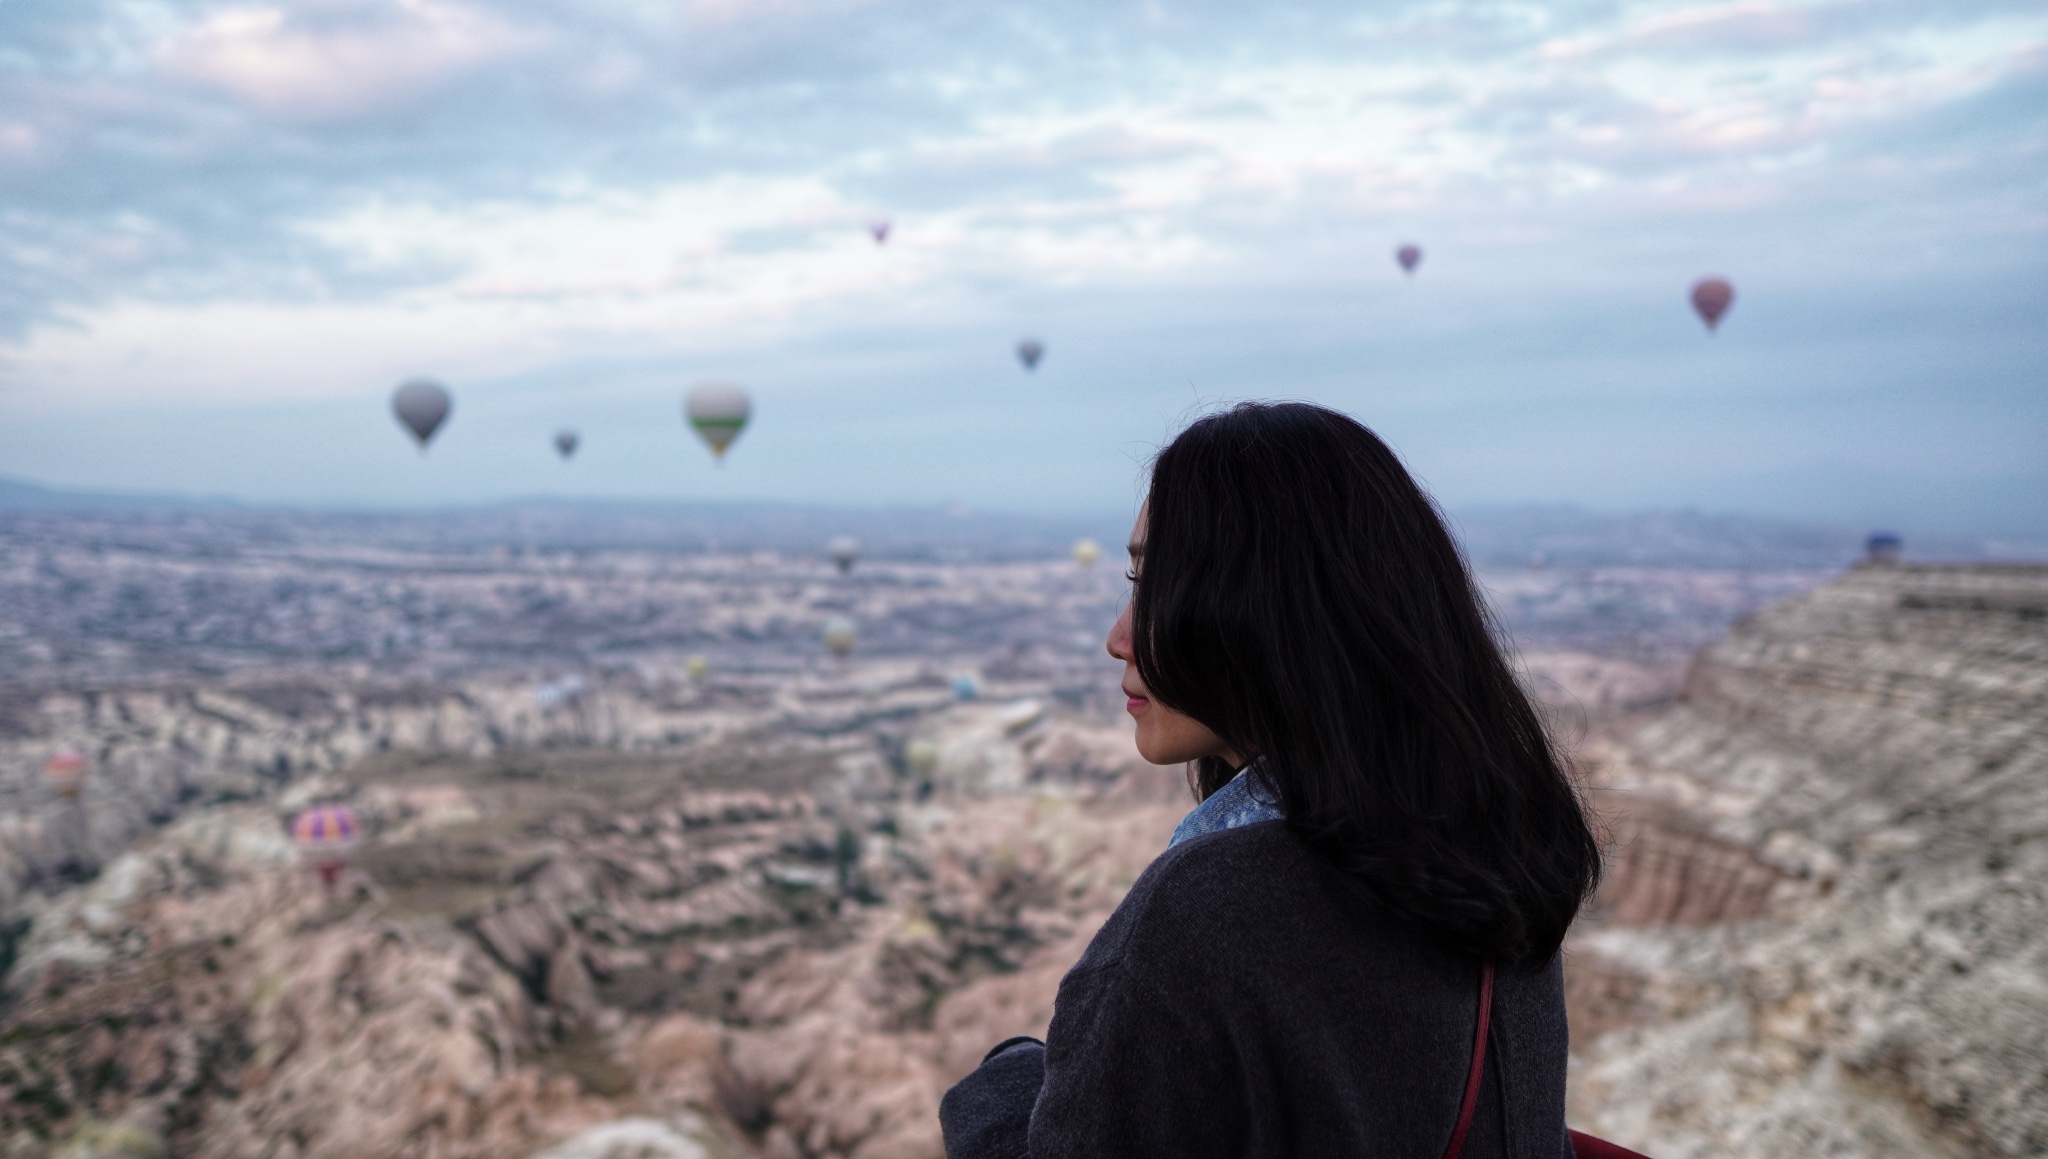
(1134, 703)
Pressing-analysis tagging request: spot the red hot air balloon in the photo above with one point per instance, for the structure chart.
(1409, 256)
(64, 772)
(1711, 298)
(879, 230)
(325, 835)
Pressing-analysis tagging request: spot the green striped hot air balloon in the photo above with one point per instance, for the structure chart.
(719, 413)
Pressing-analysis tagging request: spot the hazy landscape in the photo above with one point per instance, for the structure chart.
(648, 871)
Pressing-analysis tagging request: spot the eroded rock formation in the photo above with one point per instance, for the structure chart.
(779, 947)
(1826, 931)
(738, 920)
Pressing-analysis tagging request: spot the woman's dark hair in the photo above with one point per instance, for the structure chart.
(1299, 595)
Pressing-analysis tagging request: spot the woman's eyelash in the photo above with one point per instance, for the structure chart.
(1132, 576)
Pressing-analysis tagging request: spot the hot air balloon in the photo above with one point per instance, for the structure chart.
(719, 412)
(1029, 352)
(326, 835)
(966, 688)
(844, 550)
(421, 407)
(921, 756)
(1086, 552)
(566, 441)
(1711, 298)
(64, 772)
(555, 693)
(698, 667)
(879, 230)
(1882, 547)
(840, 635)
(1409, 256)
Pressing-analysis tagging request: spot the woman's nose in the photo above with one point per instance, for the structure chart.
(1120, 635)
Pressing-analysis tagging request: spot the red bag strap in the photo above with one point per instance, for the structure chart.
(1477, 1070)
(1584, 1146)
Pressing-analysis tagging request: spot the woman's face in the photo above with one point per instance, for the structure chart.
(1165, 737)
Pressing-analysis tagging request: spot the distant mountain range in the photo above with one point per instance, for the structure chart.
(1494, 536)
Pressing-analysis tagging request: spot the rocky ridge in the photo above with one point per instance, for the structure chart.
(1826, 928)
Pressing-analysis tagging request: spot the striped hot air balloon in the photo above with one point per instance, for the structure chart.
(325, 835)
(718, 411)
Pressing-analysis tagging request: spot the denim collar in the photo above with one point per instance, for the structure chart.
(1244, 801)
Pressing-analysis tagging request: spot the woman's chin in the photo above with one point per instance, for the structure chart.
(1158, 754)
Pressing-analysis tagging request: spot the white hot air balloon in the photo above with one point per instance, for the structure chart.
(719, 412)
(1086, 552)
(844, 550)
(839, 635)
(921, 757)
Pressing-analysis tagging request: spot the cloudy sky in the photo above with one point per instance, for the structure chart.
(228, 230)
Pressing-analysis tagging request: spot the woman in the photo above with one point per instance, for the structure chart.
(1381, 819)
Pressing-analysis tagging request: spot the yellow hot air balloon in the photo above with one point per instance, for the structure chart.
(1086, 552)
(840, 635)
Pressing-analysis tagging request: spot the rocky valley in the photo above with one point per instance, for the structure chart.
(646, 872)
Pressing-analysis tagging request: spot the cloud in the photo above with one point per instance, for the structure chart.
(338, 59)
(267, 202)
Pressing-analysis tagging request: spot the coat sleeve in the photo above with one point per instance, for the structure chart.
(986, 1114)
(1131, 1072)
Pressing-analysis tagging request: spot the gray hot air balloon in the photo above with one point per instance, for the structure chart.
(1029, 352)
(421, 406)
(719, 412)
(844, 550)
(566, 442)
